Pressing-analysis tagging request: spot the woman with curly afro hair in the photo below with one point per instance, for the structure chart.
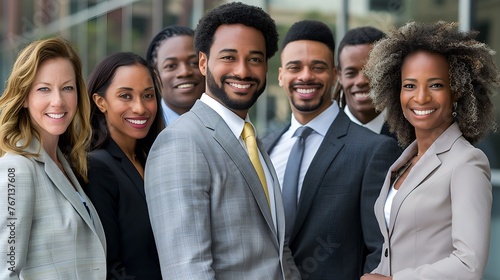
(434, 208)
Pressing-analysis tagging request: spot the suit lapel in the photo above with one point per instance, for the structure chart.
(427, 164)
(60, 181)
(220, 131)
(280, 212)
(327, 152)
(407, 155)
(386, 131)
(114, 150)
(380, 202)
(270, 141)
(417, 175)
(63, 185)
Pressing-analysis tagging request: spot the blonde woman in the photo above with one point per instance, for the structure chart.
(50, 229)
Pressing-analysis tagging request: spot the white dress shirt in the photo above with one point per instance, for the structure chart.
(388, 205)
(281, 151)
(374, 125)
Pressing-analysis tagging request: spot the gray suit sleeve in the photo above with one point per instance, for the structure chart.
(17, 204)
(177, 186)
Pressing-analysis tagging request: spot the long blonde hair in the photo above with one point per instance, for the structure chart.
(15, 121)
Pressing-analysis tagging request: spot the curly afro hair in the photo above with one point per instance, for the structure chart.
(235, 13)
(474, 77)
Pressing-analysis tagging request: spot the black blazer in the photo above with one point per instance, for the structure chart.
(336, 235)
(117, 191)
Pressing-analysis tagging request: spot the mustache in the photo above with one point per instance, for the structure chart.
(246, 79)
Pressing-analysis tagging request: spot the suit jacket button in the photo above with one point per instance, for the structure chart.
(386, 252)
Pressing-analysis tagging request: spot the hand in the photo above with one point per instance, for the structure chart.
(375, 276)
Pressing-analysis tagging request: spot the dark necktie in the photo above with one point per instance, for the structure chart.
(291, 178)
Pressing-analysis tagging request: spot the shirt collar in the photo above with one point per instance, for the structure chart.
(232, 120)
(374, 125)
(168, 114)
(320, 123)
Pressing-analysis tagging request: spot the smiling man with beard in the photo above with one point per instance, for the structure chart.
(329, 196)
(213, 196)
(240, 87)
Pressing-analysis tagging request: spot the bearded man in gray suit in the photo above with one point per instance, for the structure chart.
(213, 217)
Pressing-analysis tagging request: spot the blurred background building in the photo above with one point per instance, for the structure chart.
(100, 27)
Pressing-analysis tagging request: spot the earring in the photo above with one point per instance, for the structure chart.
(454, 113)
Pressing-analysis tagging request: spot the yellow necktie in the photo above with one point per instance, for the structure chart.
(248, 136)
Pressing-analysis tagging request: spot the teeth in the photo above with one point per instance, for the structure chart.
(139, 122)
(363, 94)
(239, 85)
(305, 91)
(186, 86)
(424, 112)
(56, 116)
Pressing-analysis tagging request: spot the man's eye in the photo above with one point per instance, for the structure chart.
(170, 66)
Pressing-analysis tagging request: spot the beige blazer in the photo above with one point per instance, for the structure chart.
(46, 232)
(440, 217)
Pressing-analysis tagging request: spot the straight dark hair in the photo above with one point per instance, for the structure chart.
(99, 81)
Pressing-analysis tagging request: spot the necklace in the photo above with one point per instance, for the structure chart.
(131, 157)
(403, 169)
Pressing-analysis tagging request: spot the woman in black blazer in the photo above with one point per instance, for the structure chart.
(126, 118)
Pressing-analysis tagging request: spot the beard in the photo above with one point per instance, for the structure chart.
(225, 99)
(307, 106)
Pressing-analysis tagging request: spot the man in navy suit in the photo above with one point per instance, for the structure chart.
(352, 54)
(333, 233)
